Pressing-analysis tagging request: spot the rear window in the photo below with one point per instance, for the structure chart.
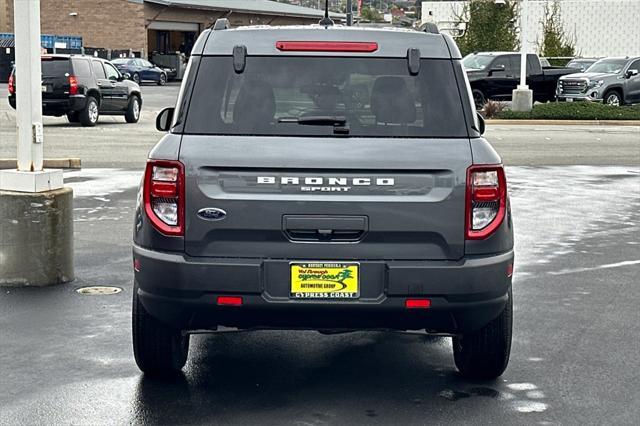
(98, 70)
(55, 67)
(377, 97)
(81, 68)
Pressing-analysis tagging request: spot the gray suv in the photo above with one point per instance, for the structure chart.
(614, 81)
(323, 178)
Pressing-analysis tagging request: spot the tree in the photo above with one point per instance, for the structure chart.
(489, 26)
(369, 14)
(554, 40)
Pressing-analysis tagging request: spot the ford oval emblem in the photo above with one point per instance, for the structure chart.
(212, 213)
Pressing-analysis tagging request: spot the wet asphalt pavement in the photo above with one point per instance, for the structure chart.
(66, 358)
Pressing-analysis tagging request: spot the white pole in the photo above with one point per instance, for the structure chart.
(524, 16)
(28, 84)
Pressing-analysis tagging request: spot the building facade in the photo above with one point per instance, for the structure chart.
(153, 25)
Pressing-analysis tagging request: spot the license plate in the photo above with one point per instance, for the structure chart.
(324, 280)
(569, 99)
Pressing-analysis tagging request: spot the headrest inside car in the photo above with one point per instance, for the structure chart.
(392, 102)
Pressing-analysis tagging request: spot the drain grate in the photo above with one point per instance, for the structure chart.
(99, 290)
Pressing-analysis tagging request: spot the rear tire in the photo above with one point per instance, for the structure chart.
(484, 353)
(158, 349)
(73, 117)
(132, 115)
(91, 112)
(479, 99)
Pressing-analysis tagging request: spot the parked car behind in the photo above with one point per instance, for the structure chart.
(494, 75)
(581, 63)
(83, 87)
(141, 70)
(614, 81)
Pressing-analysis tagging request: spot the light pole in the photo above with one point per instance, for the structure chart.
(522, 96)
(36, 247)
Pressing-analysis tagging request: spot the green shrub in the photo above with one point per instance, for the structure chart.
(575, 111)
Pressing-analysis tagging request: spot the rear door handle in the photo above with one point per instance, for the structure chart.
(325, 228)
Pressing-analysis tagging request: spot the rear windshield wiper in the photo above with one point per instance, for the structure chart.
(316, 120)
(339, 123)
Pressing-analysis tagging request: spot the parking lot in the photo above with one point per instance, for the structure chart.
(67, 358)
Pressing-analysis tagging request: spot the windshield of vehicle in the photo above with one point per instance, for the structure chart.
(610, 66)
(120, 61)
(55, 67)
(477, 62)
(320, 96)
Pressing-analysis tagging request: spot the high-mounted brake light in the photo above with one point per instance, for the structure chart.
(73, 85)
(11, 87)
(164, 196)
(486, 200)
(327, 46)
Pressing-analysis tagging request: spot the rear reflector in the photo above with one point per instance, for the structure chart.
(230, 300)
(510, 270)
(327, 46)
(417, 303)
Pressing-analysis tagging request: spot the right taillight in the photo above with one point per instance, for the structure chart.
(486, 200)
(11, 86)
(164, 196)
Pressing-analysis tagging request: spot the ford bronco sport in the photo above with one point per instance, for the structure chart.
(323, 178)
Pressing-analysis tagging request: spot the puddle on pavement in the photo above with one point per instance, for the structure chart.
(99, 290)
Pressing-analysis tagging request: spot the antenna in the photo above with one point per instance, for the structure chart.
(326, 21)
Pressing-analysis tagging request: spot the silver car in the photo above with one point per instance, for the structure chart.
(614, 81)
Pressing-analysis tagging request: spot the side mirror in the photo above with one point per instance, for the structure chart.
(632, 73)
(499, 68)
(481, 124)
(126, 76)
(164, 119)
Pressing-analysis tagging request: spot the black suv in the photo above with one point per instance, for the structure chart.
(84, 87)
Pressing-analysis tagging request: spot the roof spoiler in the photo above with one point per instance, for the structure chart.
(221, 24)
(430, 27)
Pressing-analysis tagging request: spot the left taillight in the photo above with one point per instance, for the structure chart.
(73, 85)
(164, 196)
(486, 200)
(11, 86)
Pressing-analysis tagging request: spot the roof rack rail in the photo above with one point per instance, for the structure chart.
(430, 27)
(221, 24)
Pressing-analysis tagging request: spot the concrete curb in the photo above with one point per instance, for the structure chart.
(51, 163)
(566, 122)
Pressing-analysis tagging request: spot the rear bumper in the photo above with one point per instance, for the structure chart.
(182, 291)
(61, 106)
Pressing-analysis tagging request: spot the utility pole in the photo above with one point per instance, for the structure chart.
(36, 247)
(29, 100)
(349, 13)
(522, 96)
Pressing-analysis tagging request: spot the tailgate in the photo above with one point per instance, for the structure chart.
(55, 77)
(325, 198)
